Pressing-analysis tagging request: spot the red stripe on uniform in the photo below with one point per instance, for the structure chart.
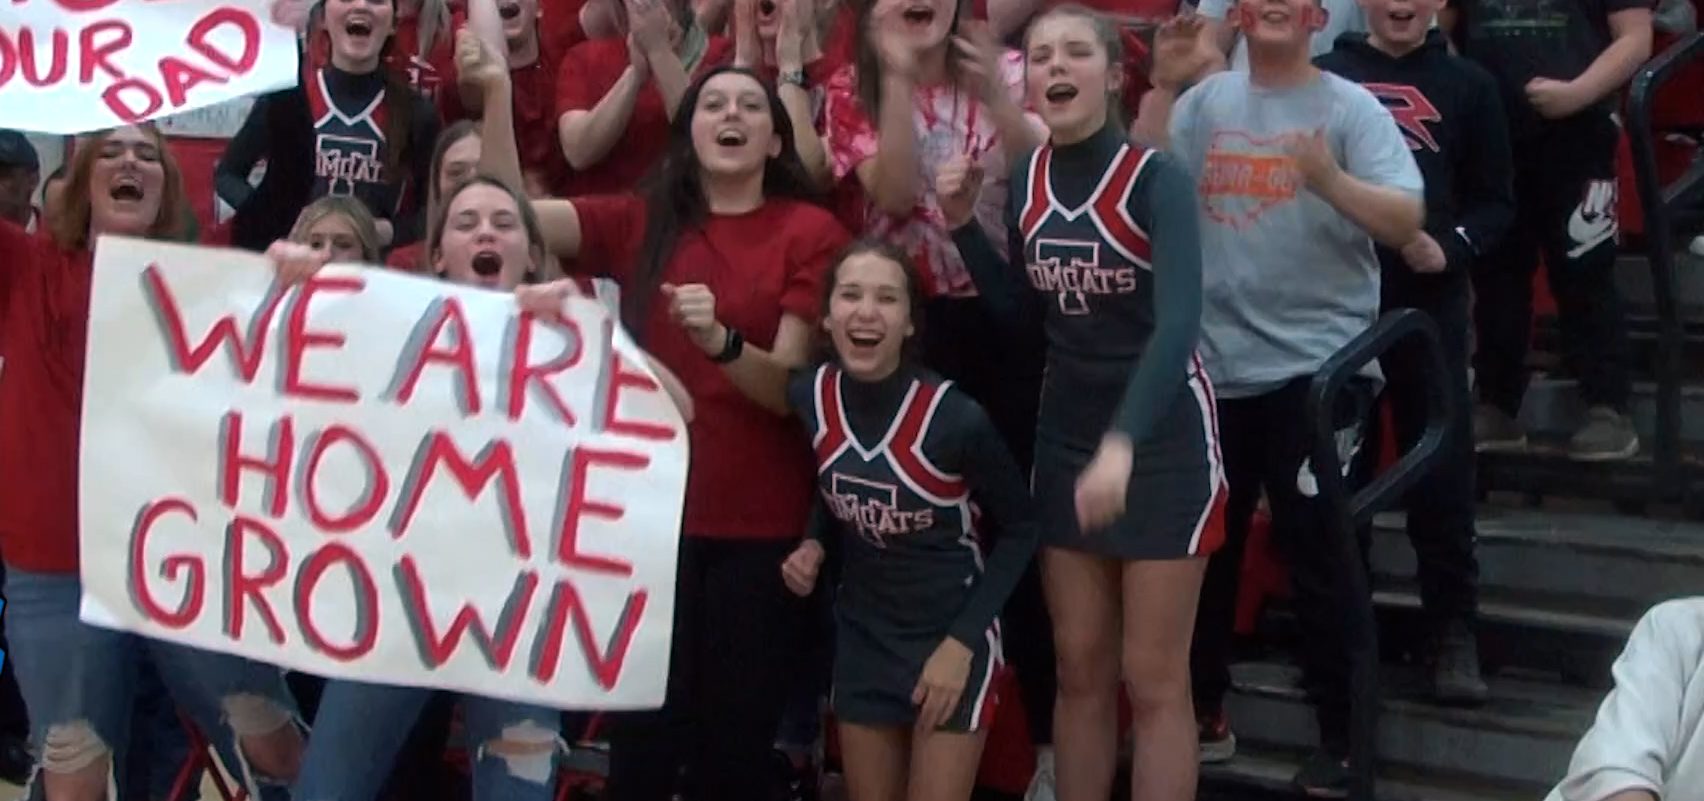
(906, 449)
(1213, 528)
(831, 424)
(1035, 210)
(1108, 207)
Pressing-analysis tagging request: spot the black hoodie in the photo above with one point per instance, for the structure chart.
(1452, 117)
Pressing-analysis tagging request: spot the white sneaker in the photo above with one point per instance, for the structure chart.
(1041, 785)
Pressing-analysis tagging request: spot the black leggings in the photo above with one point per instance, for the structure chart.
(735, 634)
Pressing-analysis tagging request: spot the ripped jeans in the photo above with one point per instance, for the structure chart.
(361, 727)
(79, 682)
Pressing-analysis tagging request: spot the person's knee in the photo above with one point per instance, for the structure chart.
(74, 762)
(1086, 665)
(270, 740)
(527, 749)
(1155, 681)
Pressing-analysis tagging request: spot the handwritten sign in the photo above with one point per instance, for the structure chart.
(71, 66)
(379, 477)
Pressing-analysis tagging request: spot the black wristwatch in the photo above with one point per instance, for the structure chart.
(732, 346)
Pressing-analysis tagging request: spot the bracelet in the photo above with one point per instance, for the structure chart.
(732, 346)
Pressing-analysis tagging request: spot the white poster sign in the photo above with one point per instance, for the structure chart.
(72, 66)
(379, 477)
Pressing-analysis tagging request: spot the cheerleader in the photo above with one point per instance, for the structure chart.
(1127, 475)
(906, 464)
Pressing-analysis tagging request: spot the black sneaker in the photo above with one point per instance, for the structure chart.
(1324, 775)
(1455, 668)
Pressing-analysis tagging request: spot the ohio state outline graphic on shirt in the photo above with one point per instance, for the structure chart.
(1244, 175)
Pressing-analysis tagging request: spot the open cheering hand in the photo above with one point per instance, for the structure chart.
(957, 185)
(1181, 52)
(1312, 158)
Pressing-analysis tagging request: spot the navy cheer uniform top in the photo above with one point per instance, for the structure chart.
(1107, 234)
(904, 467)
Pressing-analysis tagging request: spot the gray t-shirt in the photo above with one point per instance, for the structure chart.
(1344, 16)
(1287, 279)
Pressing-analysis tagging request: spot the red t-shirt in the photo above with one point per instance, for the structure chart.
(559, 24)
(588, 72)
(751, 474)
(533, 94)
(44, 316)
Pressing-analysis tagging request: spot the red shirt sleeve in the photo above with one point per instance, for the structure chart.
(850, 134)
(820, 239)
(579, 80)
(610, 229)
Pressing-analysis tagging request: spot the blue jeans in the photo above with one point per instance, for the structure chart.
(361, 727)
(71, 673)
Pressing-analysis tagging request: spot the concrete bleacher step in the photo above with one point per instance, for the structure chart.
(1260, 774)
(1520, 740)
(1633, 278)
(1621, 562)
(1554, 638)
(1554, 410)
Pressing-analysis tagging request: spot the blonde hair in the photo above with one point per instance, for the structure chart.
(70, 226)
(366, 230)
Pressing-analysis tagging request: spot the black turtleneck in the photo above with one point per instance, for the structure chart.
(1452, 118)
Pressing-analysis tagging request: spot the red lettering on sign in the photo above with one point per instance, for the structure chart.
(458, 355)
(244, 22)
(525, 376)
(95, 54)
(27, 55)
(622, 377)
(496, 461)
(580, 465)
(499, 648)
(241, 587)
(366, 602)
(187, 568)
(297, 340)
(604, 663)
(116, 96)
(378, 482)
(180, 76)
(245, 353)
(275, 467)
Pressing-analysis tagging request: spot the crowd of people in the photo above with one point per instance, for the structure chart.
(890, 257)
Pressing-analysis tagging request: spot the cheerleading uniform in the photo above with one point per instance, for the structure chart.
(1107, 234)
(905, 465)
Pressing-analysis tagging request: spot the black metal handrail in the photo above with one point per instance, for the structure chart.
(1659, 204)
(1383, 492)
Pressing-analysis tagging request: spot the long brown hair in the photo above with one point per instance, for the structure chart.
(71, 225)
